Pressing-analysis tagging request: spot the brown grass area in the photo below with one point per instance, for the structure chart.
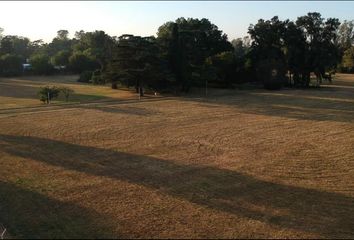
(239, 164)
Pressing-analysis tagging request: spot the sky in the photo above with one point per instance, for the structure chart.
(41, 20)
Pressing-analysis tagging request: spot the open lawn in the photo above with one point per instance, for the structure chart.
(238, 164)
(22, 91)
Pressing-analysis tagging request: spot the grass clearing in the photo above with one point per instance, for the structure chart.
(239, 164)
(22, 91)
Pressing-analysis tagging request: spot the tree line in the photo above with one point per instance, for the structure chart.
(192, 53)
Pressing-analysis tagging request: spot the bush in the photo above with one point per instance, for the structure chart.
(46, 94)
(97, 77)
(85, 77)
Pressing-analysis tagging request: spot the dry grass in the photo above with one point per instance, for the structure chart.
(22, 91)
(252, 164)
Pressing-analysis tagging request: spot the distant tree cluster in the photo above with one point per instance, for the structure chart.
(192, 53)
(295, 49)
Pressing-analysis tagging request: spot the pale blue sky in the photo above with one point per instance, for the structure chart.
(41, 20)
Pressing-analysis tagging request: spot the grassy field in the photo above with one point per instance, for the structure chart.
(22, 92)
(238, 164)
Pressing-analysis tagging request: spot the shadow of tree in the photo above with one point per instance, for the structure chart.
(28, 214)
(296, 104)
(328, 214)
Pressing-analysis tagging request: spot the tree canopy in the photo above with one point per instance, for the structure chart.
(192, 52)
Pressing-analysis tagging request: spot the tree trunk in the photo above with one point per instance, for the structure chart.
(137, 85)
(114, 85)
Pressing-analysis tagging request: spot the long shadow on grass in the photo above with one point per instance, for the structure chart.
(328, 214)
(295, 104)
(28, 214)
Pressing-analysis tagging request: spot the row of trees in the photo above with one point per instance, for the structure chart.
(74, 55)
(194, 52)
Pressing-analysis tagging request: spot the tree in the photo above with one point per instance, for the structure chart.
(60, 43)
(239, 48)
(222, 69)
(62, 34)
(46, 94)
(61, 58)
(40, 64)
(348, 60)
(346, 34)
(243, 71)
(79, 62)
(15, 45)
(85, 76)
(177, 57)
(188, 43)
(321, 38)
(135, 61)
(37, 47)
(299, 49)
(96, 45)
(267, 48)
(11, 65)
(296, 54)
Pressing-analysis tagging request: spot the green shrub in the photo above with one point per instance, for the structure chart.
(97, 77)
(46, 94)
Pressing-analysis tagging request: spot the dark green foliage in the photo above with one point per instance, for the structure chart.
(321, 36)
(97, 77)
(46, 94)
(267, 48)
(11, 65)
(135, 62)
(80, 62)
(60, 43)
(96, 45)
(85, 76)
(61, 58)
(190, 52)
(221, 69)
(41, 64)
(187, 43)
(309, 45)
(272, 72)
(15, 45)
